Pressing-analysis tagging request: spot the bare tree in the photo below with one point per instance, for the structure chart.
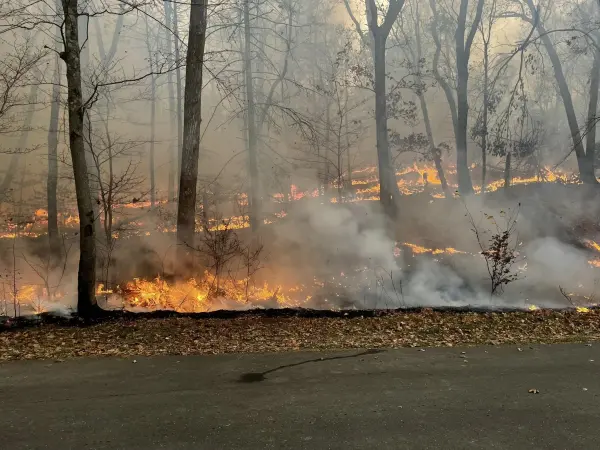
(186, 212)
(86, 277)
(464, 36)
(414, 53)
(388, 189)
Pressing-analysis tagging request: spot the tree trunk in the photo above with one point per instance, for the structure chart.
(592, 117)
(173, 151)
(462, 117)
(180, 118)
(586, 171)
(348, 152)
(434, 151)
(448, 90)
(152, 142)
(463, 54)
(186, 212)
(388, 189)
(52, 180)
(254, 197)
(326, 162)
(486, 100)
(152, 118)
(86, 277)
(84, 58)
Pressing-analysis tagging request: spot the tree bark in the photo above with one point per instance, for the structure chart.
(463, 54)
(152, 142)
(152, 118)
(86, 277)
(254, 197)
(486, 100)
(52, 180)
(347, 132)
(326, 161)
(387, 178)
(84, 59)
(180, 118)
(592, 116)
(186, 212)
(389, 193)
(448, 91)
(434, 151)
(173, 151)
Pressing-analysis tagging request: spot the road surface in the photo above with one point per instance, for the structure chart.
(400, 399)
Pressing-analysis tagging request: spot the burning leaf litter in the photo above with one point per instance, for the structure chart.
(290, 330)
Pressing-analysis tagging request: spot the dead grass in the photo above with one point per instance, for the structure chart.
(129, 336)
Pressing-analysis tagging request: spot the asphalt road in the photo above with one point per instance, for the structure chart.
(401, 399)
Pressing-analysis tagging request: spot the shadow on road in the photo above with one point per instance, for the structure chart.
(256, 377)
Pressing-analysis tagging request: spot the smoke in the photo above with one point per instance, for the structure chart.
(329, 240)
(342, 239)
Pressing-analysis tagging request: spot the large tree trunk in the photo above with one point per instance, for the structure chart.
(180, 118)
(378, 34)
(84, 59)
(52, 180)
(86, 277)
(462, 164)
(388, 189)
(186, 212)
(463, 54)
(254, 197)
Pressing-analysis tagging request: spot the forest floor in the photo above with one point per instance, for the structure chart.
(286, 330)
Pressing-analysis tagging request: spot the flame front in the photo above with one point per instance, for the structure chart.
(207, 293)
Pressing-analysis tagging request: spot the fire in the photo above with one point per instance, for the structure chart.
(593, 245)
(417, 249)
(546, 175)
(101, 290)
(205, 294)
